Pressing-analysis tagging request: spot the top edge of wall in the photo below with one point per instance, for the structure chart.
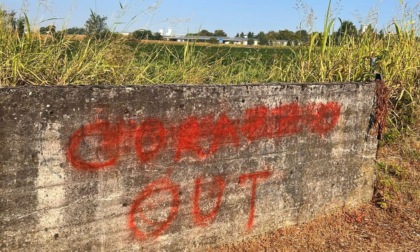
(183, 85)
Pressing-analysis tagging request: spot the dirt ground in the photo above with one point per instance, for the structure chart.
(391, 222)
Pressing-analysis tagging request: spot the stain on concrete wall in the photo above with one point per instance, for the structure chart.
(172, 167)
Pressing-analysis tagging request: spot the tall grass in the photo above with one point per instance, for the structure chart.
(62, 60)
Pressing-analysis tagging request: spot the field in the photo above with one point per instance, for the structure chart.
(391, 222)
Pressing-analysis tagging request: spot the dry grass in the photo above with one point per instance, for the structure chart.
(364, 229)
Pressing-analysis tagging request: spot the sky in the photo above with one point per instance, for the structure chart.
(191, 16)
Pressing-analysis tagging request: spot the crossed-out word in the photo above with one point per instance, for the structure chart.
(151, 136)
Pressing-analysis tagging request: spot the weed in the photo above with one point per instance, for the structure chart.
(387, 186)
(391, 136)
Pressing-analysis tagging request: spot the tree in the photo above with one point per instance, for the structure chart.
(142, 34)
(43, 30)
(286, 35)
(302, 36)
(347, 28)
(242, 35)
(220, 33)
(368, 31)
(251, 35)
(96, 25)
(157, 36)
(262, 39)
(271, 37)
(205, 33)
(213, 41)
(146, 35)
(75, 30)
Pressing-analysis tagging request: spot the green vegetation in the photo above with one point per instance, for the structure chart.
(96, 25)
(146, 35)
(386, 183)
(216, 33)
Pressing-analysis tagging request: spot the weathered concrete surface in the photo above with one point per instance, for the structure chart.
(177, 167)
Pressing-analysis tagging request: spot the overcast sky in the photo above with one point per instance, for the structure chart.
(191, 16)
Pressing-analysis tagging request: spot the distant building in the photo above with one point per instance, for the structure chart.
(220, 40)
(169, 32)
(282, 42)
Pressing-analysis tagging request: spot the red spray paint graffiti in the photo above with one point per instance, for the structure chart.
(151, 136)
(100, 145)
(136, 208)
(110, 141)
(216, 190)
(154, 132)
(322, 117)
(288, 120)
(254, 125)
(189, 135)
(253, 177)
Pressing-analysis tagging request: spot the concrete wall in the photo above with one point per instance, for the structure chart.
(172, 167)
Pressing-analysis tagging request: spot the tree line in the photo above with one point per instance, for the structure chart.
(96, 26)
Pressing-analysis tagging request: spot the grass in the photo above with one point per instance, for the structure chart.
(33, 59)
(347, 61)
(37, 60)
